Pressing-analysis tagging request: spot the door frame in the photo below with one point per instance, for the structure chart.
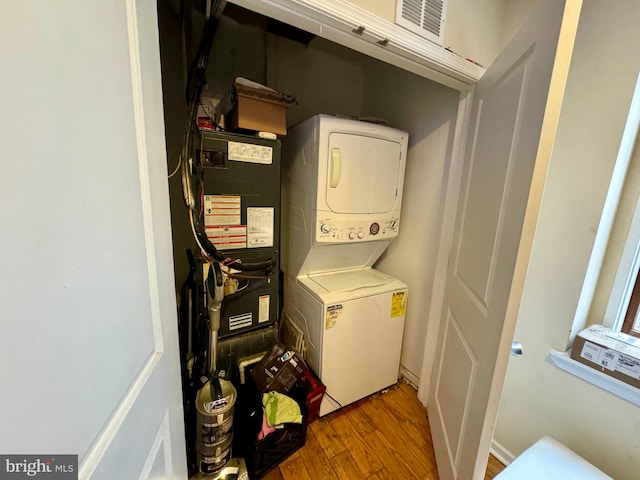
(350, 26)
(560, 72)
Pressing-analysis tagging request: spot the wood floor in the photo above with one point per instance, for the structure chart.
(385, 436)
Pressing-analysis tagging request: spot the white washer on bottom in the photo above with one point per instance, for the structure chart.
(353, 322)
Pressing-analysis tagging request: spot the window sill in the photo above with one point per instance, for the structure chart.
(563, 361)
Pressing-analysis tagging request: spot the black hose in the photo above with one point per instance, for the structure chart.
(211, 250)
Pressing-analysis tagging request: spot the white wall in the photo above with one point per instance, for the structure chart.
(538, 398)
(515, 12)
(472, 29)
(382, 8)
(337, 80)
(428, 112)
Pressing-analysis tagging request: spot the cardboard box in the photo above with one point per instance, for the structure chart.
(257, 115)
(279, 370)
(613, 353)
(252, 106)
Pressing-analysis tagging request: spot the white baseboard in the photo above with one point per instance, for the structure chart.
(501, 453)
(409, 377)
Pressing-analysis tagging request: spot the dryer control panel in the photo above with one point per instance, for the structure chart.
(331, 230)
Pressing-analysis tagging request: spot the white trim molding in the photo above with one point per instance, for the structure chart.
(143, 169)
(409, 376)
(501, 453)
(612, 385)
(353, 27)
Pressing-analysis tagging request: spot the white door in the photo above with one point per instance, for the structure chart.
(512, 125)
(88, 342)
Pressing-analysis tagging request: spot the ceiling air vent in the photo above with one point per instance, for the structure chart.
(424, 17)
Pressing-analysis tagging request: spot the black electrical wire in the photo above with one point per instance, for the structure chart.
(211, 249)
(334, 400)
(196, 81)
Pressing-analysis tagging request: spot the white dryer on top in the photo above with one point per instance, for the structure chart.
(342, 187)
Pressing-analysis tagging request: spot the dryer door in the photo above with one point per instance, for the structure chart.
(364, 174)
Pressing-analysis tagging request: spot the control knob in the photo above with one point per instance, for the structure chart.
(325, 228)
(352, 235)
(393, 224)
(360, 235)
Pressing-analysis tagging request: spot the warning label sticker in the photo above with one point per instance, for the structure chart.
(333, 312)
(227, 237)
(398, 304)
(260, 222)
(249, 152)
(263, 308)
(221, 210)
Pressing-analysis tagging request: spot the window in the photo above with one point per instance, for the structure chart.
(611, 291)
(623, 309)
(621, 230)
(631, 322)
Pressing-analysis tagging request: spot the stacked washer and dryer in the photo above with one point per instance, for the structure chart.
(341, 194)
